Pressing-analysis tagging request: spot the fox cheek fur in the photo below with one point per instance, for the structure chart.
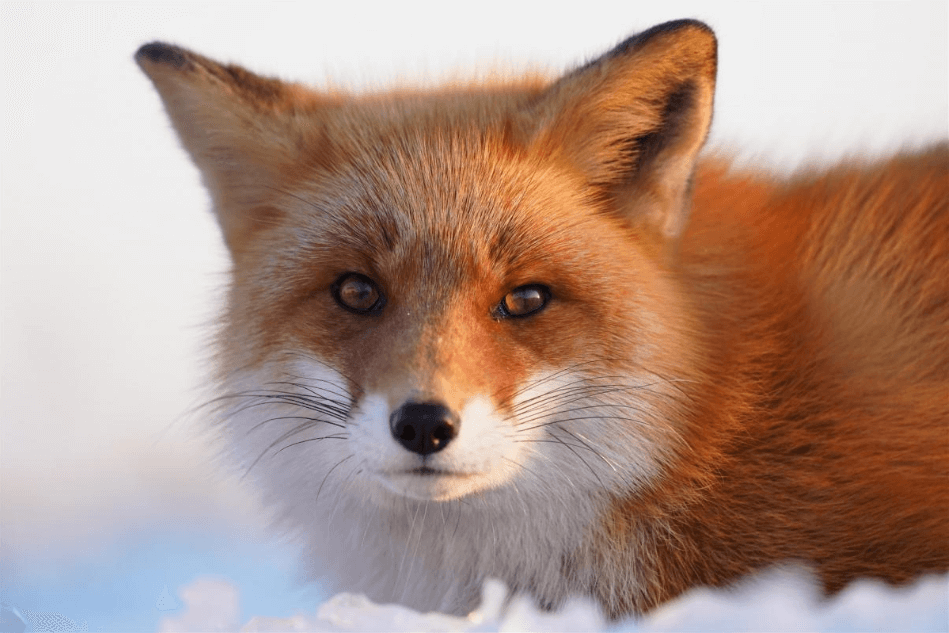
(519, 330)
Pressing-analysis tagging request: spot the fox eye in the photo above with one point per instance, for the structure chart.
(523, 301)
(358, 293)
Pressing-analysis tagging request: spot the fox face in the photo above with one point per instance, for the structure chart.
(450, 315)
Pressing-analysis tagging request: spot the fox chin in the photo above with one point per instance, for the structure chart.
(528, 330)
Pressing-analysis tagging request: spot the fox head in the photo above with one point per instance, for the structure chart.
(445, 295)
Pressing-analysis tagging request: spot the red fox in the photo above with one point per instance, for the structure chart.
(523, 330)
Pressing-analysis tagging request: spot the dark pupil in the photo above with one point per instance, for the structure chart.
(358, 294)
(523, 300)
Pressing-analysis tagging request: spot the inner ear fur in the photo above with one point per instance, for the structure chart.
(246, 133)
(633, 121)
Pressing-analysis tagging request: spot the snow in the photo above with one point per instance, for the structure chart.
(782, 600)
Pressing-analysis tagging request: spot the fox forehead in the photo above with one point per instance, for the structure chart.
(451, 204)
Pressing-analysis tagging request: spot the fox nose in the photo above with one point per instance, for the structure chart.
(424, 427)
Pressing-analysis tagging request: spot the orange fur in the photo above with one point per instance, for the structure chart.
(822, 431)
(781, 345)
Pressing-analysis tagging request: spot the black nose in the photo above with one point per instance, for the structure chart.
(424, 427)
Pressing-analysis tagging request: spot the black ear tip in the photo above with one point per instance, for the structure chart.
(662, 29)
(161, 53)
(676, 25)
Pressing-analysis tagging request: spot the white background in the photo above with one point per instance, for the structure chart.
(110, 263)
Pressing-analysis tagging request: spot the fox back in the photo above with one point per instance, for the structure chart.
(522, 330)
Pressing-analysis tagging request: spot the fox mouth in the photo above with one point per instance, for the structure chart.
(428, 471)
(424, 483)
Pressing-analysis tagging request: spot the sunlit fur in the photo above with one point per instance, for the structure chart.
(733, 370)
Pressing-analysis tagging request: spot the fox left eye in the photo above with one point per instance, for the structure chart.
(358, 293)
(523, 301)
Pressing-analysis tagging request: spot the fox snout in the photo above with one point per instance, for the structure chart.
(424, 427)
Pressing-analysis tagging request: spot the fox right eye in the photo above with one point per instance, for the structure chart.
(523, 301)
(358, 293)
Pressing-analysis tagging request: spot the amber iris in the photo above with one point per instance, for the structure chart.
(358, 293)
(525, 300)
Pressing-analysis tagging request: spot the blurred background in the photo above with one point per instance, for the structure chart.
(111, 265)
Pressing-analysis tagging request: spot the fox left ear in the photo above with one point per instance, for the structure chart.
(246, 133)
(634, 120)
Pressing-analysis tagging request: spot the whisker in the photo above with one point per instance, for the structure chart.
(285, 436)
(548, 378)
(294, 417)
(561, 420)
(583, 461)
(270, 399)
(567, 399)
(561, 396)
(587, 445)
(313, 439)
(322, 483)
(580, 384)
(342, 393)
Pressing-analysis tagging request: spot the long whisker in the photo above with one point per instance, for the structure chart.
(585, 444)
(294, 417)
(578, 456)
(314, 439)
(322, 483)
(336, 391)
(258, 399)
(562, 420)
(555, 390)
(560, 403)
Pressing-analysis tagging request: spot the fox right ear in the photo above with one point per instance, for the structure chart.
(634, 120)
(243, 131)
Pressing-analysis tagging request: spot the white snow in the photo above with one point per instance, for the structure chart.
(781, 600)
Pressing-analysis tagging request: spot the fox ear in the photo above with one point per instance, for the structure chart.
(634, 120)
(244, 132)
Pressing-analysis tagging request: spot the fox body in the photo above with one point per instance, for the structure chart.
(524, 331)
